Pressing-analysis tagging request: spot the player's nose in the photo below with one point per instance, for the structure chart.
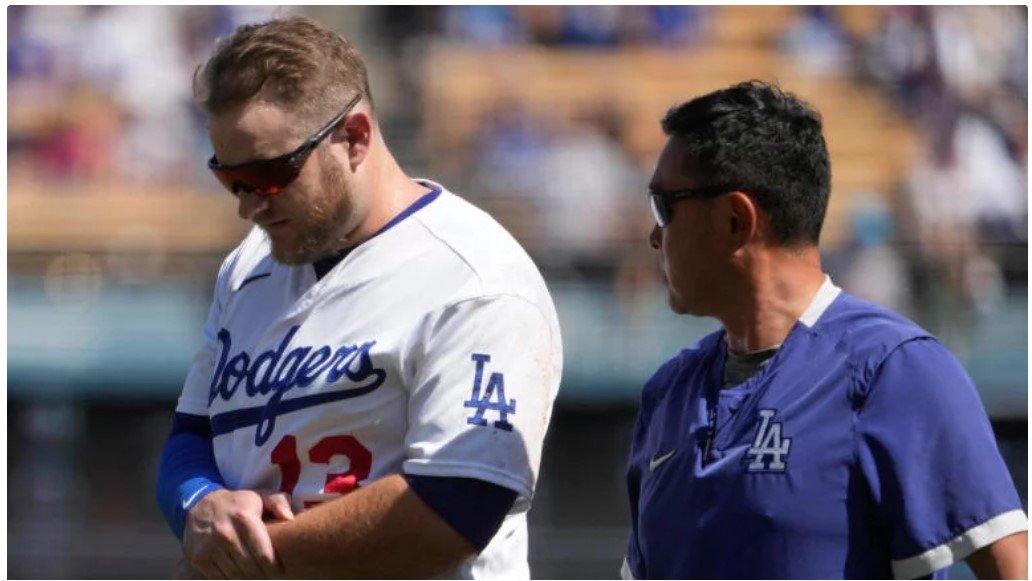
(249, 204)
(656, 237)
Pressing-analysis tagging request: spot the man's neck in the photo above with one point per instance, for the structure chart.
(406, 191)
(388, 192)
(770, 297)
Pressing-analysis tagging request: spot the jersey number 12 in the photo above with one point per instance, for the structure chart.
(285, 456)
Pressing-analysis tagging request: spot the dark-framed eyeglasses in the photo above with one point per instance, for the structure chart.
(661, 201)
(268, 177)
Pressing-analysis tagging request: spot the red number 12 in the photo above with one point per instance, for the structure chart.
(285, 456)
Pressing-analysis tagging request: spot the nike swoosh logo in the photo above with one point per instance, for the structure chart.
(657, 460)
(186, 503)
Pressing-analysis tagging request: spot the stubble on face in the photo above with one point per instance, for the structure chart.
(324, 223)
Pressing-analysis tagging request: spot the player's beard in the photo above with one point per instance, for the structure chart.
(324, 230)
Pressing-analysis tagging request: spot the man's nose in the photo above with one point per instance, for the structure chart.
(656, 237)
(251, 203)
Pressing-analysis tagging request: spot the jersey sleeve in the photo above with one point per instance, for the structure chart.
(634, 566)
(930, 460)
(634, 563)
(485, 376)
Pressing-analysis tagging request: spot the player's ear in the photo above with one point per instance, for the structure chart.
(742, 219)
(356, 133)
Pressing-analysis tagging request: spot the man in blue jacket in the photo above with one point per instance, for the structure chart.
(815, 435)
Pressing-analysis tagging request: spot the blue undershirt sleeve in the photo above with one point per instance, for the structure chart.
(188, 470)
(474, 508)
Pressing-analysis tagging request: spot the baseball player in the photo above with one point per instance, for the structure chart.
(380, 358)
(815, 435)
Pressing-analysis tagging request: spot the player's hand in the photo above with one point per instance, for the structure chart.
(185, 571)
(225, 537)
(277, 506)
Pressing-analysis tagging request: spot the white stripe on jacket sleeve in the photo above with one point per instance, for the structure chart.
(960, 547)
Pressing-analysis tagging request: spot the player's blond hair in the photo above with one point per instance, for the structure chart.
(307, 69)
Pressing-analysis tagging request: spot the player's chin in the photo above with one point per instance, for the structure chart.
(679, 303)
(290, 254)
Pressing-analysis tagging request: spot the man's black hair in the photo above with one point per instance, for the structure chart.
(756, 138)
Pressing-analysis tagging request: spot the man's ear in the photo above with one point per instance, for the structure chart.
(356, 133)
(742, 219)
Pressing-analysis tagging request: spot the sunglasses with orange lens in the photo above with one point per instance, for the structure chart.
(268, 177)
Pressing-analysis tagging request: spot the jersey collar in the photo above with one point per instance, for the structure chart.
(324, 265)
(820, 303)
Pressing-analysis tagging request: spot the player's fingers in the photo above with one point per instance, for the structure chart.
(226, 566)
(182, 570)
(278, 504)
(202, 560)
(244, 564)
(255, 538)
(208, 570)
(228, 553)
(185, 571)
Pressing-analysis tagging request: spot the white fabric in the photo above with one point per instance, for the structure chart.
(820, 303)
(960, 547)
(416, 302)
(625, 571)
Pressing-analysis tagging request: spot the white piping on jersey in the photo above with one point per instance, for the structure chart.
(820, 303)
(625, 570)
(960, 547)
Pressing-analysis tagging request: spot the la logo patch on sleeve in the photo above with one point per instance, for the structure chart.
(493, 398)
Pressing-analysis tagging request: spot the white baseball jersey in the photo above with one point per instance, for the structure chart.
(431, 349)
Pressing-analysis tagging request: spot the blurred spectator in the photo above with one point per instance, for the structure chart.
(572, 182)
(869, 263)
(510, 146)
(969, 186)
(965, 207)
(27, 57)
(507, 152)
(104, 92)
(965, 202)
(483, 25)
(573, 26)
(590, 26)
(994, 179)
(974, 47)
(586, 195)
(133, 53)
(902, 56)
(667, 25)
(937, 56)
(816, 42)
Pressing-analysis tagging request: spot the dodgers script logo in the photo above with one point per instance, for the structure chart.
(273, 372)
(768, 443)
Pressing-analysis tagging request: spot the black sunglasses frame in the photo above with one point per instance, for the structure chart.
(661, 201)
(295, 159)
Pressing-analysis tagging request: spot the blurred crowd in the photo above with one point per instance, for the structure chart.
(103, 94)
(574, 26)
(958, 223)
